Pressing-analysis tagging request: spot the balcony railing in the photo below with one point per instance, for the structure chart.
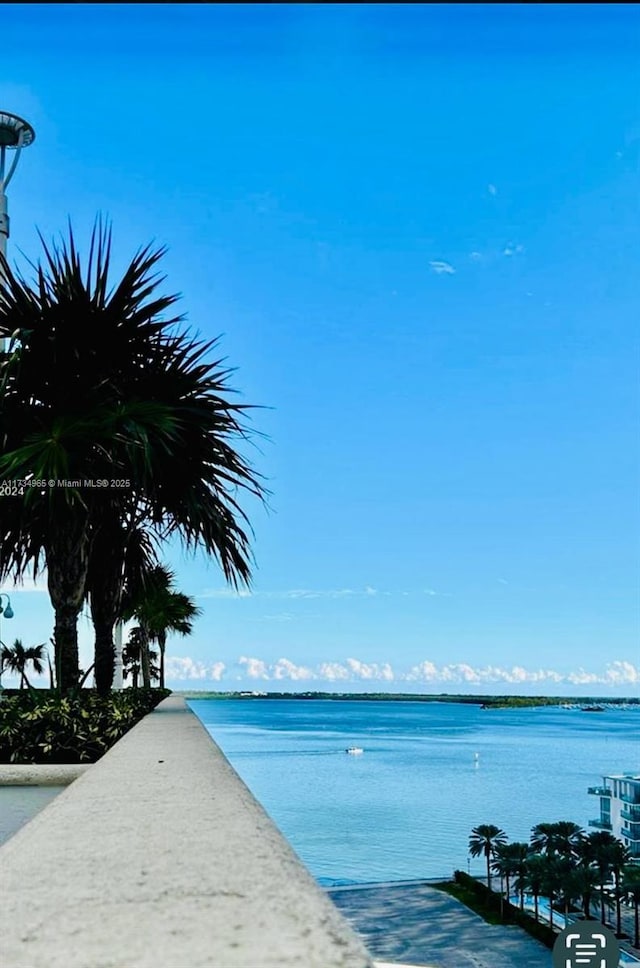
(633, 816)
(632, 836)
(632, 798)
(600, 791)
(600, 824)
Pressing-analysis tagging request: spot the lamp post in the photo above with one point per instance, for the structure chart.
(15, 134)
(7, 611)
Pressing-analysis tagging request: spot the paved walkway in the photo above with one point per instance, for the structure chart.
(416, 924)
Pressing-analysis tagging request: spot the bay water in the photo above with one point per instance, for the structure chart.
(429, 773)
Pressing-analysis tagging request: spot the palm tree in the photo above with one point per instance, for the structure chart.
(484, 840)
(160, 610)
(131, 663)
(574, 883)
(562, 838)
(509, 861)
(520, 853)
(132, 658)
(552, 881)
(121, 557)
(16, 658)
(587, 878)
(98, 385)
(631, 888)
(600, 847)
(620, 857)
(534, 877)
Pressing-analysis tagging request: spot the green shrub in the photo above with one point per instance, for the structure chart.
(48, 728)
(489, 901)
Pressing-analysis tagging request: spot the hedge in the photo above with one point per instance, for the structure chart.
(42, 727)
(510, 913)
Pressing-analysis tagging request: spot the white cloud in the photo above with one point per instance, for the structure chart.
(424, 672)
(351, 669)
(254, 668)
(184, 668)
(303, 594)
(618, 673)
(309, 593)
(441, 268)
(367, 591)
(363, 670)
(475, 256)
(512, 249)
(291, 593)
(333, 671)
(285, 669)
(492, 189)
(225, 593)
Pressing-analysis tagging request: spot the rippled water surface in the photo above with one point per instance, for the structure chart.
(404, 809)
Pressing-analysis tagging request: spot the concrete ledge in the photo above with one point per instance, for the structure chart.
(41, 774)
(160, 857)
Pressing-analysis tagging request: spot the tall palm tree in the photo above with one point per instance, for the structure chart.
(586, 878)
(630, 886)
(600, 847)
(573, 882)
(96, 385)
(506, 863)
(520, 851)
(534, 877)
(484, 841)
(620, 858)
(160, 609)
(16, 658)
(553, 875)
(121, 556)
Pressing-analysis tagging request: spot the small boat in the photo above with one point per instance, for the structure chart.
(593, 709)
(354, 750)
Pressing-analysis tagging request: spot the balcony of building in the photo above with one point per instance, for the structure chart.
(633, 815)
(601, 824)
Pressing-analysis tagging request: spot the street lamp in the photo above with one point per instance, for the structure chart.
(7, 611)
(15, 134)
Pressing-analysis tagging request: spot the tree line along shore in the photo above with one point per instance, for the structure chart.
(486, 702)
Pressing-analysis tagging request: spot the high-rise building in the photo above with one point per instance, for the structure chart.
(620, 809)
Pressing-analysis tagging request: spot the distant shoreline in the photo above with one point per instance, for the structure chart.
(486, 702)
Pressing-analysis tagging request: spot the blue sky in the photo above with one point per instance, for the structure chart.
(417, 228)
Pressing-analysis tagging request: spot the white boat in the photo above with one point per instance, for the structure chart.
(354, 750)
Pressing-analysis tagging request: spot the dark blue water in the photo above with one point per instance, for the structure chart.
(404, 809)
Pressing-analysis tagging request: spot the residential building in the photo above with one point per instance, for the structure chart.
(620, 809)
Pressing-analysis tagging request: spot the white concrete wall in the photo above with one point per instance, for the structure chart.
(160, 857)
(43, 774)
